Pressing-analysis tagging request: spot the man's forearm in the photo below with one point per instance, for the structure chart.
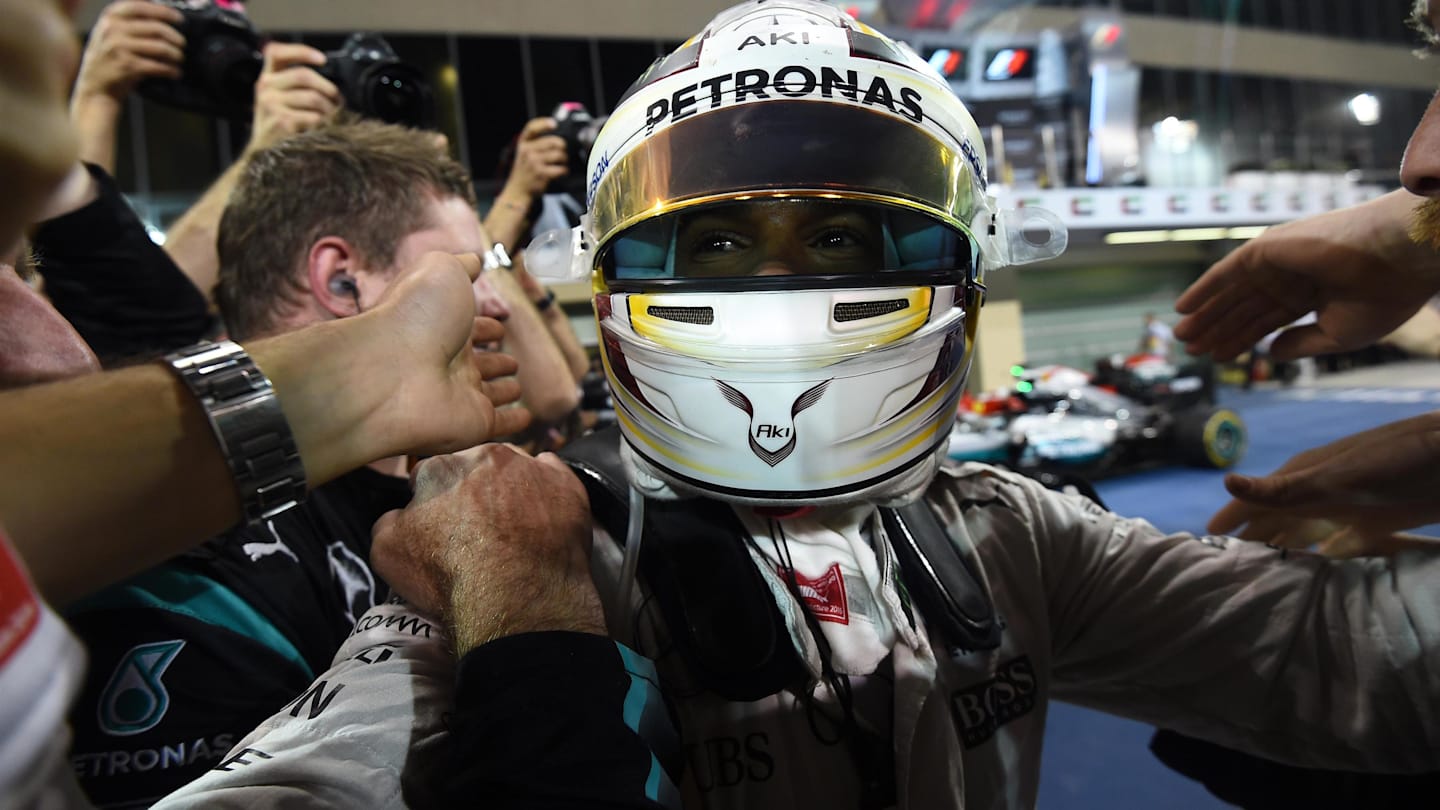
(97, 119)
(111, 473)
(564, 334)
(546, 385)
(191, 241)
(508, 220)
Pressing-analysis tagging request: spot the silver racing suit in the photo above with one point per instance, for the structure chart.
(1285, 654)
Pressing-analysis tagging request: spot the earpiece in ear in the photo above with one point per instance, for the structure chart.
(345, 285)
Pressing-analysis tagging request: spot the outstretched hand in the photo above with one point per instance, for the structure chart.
(495, 542)
(448, 393)
(1376, 482)
(1357, 269)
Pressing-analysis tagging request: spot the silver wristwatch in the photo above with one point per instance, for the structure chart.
(252, 430)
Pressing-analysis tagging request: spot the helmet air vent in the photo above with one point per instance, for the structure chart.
(860, 310)
(700, 316)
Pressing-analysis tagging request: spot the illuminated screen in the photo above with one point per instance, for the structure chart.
(949, 62)
(1010, 63)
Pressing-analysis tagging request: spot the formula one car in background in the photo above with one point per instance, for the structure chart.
(1056, 419)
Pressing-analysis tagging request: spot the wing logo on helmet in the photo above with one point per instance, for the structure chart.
(772, 457)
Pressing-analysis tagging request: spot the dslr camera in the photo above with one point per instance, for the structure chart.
(223, 60)
(578, 128)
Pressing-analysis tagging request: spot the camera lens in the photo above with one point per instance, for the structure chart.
(397, 95)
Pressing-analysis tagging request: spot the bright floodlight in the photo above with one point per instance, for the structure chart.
(1175, 135)
(1366, 109)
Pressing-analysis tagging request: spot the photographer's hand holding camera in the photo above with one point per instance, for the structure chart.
(132, 40)
(540, 157)
(290, 97)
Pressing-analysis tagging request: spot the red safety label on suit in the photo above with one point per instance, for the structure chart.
(19, 609)
(825, 594)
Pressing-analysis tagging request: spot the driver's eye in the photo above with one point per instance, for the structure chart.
(836, 238)
(717, 242)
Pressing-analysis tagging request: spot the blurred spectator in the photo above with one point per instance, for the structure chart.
(132, 40)
(539, 159)
(290, 97)
(1156, 338)
(262, 608)
(103, 272)
(128, 297)
(137, 39)
(1364, 272)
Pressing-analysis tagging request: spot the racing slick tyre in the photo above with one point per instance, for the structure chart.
(1210, 437)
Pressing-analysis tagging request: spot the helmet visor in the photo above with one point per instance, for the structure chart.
(793, 240)
(813, 148)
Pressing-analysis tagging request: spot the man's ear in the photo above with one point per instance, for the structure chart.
(332, 265)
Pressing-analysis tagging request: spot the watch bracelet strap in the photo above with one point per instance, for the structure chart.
(240, 404)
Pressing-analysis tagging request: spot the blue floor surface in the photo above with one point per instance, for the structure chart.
(1095, 760)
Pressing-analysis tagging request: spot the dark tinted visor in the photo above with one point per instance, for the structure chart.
(786, 237)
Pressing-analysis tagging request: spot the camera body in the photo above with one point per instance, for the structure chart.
(223, 59)
(578, 128)
(221, 63)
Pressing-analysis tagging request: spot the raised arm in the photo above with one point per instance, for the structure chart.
(556, 321)
(132, 40)
(290, 97)
(1368, 485)
(539, 159)
(1357, 269)
(110, 473)
(547, 385)
(1283, 654)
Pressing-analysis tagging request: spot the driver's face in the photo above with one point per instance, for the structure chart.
(778, 237)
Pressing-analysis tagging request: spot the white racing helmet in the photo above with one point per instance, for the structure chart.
(787, 231)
